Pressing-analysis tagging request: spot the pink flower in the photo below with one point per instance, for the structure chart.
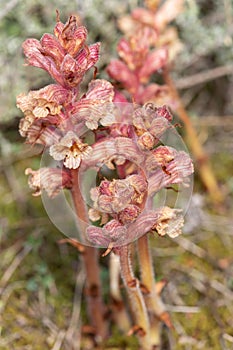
(168, 166)
(70, 35)
(119, 71)
(113, 151)
(65, 57)
(71, 150)
(150, 123)
(96, 105)
(51, 180)
(162, 220)
(153, 62)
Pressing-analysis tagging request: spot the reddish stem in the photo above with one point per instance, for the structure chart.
(91, 263)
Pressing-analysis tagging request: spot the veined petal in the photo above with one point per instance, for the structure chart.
(100, 89)
(112, 149)
(94, 54)
(70, 35)
(52, 48)
(96, 106)
(52, 180)
(70, 149)
(120, 72)
(168, 167)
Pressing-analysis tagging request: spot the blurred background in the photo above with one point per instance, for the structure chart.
(41, 280)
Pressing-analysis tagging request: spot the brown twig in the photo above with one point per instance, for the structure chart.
(203, 77)
(203, 164)
(90, 259)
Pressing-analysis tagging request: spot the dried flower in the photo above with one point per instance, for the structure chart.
(170, 222)
(42, 106)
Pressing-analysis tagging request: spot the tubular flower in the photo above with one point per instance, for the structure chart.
(162, 220)
(96, 105)
(71, 150)
(42, 106)
(121, 199)
(64, 56)
(51, 180)
(150, 123)
(167, 166)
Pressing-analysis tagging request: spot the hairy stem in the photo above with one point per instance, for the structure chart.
(204, 166)
(91, 263)
(136, 299)
(154, 303)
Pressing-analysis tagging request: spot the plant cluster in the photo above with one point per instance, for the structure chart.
(122, 142)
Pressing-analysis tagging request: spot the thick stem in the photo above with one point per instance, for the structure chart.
(153, 301)
(136, 299)
(91, 263)
(204, 166)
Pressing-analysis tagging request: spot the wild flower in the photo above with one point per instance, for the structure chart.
(90, 131)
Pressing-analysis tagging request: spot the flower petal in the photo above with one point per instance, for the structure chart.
(154, 61)
(120, 72)
(52, 180)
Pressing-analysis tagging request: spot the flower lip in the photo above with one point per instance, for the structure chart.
(71, 150)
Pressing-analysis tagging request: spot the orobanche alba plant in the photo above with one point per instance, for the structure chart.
(111, 156)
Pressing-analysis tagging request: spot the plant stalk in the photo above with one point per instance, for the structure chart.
(204, 166)
(136, 299)
(91, 264)
(154, 303)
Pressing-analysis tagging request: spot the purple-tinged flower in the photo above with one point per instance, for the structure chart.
(162, 220)
(122, 199)
(41, 132)
(51, 180)
(113, 151)
(119, 71)
(64, 56)
(96, 105)
(112, 232)
(168, 166)
(129, 214)
(112, 196)
(71, 150)
(150, 122)
(153, 62)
